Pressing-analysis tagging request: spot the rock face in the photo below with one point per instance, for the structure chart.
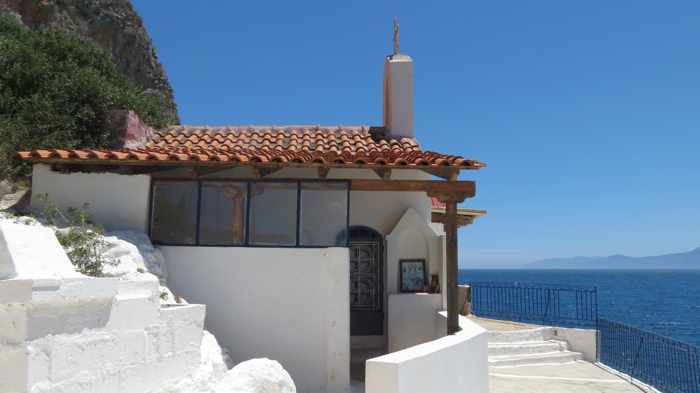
(114, 25)
(257, 376)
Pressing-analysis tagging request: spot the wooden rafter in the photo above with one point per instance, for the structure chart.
(383, 173)
(323, 171)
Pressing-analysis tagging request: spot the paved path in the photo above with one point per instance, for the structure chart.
(569, 377)
(576, 377)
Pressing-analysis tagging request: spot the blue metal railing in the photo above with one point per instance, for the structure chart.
(668, 365)
(536, 303)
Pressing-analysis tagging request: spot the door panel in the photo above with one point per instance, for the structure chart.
(366, 289)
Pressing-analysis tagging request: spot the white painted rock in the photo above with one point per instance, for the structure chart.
(257, 376)
(133, 250)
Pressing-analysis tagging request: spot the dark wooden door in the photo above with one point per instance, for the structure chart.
(366, 279)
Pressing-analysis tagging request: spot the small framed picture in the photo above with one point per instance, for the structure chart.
(412, 275)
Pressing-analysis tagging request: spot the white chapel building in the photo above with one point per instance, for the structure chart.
(322, 247)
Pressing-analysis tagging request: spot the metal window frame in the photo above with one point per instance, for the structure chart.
(248, 211)
(151, 194)
(199, 212)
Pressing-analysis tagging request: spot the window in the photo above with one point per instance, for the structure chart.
(324, 209)
(174, 212)
(273, 214)
(222, 213)
(287, 213)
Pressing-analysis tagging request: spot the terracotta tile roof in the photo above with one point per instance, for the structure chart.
(439, 207)
(357, 145)
(437, 204)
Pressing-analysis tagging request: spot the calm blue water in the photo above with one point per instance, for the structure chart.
(665, 302)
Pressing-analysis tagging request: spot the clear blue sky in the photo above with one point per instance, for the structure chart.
(588, 113)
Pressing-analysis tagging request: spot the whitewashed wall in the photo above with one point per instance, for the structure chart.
(584, 341)
(115, 201)
(412, 238)
(287, 304)
(121, 201)
(450, 364)
(412, 319)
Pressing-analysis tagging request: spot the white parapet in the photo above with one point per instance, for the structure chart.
(456, 363)
(62, 332)
(32, 252)
(412, 319)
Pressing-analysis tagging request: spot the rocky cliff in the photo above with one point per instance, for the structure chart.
(112, 24)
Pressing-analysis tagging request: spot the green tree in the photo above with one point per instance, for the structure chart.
(56, 89)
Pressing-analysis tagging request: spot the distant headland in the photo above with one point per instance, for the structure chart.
(682, 260)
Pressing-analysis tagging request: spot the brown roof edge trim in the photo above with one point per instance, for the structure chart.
(190, 163)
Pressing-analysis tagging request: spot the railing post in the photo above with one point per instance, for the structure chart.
(636, 355)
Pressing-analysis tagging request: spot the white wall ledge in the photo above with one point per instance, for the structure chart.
(455, 363)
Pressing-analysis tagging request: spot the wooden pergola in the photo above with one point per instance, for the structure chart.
(449, 191)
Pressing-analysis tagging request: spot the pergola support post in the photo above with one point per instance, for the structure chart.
(452, 269)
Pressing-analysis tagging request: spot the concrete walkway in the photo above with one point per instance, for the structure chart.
(576, 377)
(551, 376)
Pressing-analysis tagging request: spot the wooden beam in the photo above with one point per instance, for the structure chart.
(233, 164)
(462, 221)
(383, 173)
(451, 267)
(207, 170)
(118, 169)
(453, 190)
(323, 172)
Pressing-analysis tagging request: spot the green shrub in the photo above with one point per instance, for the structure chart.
(82, 239)
(56, 89)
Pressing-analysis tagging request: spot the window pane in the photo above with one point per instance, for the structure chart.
(324, 213)
(222, 213)
(273, 214)
(174, 212)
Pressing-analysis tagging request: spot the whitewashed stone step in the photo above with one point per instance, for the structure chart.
(520, 336)
(533, 359)
(523, 348)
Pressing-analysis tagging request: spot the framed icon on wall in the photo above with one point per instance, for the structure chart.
(413, 276)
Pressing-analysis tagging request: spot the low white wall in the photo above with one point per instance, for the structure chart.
(115, 201)
(456, 363)
(92, 335)
(412, 319)
(580, 340)
(62, 332)
(290, 304)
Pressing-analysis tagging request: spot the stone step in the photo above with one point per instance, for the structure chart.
(520, 336)
(534, 359)
(523, 348)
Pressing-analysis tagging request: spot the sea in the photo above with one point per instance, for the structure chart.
(665, 302)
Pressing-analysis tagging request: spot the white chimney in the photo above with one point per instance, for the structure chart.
(398, 92)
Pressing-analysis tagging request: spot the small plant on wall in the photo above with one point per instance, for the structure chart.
(80, 237)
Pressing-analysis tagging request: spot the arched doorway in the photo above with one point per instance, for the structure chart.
(366, 282)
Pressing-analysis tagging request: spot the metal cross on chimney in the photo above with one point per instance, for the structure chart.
(396, 36)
